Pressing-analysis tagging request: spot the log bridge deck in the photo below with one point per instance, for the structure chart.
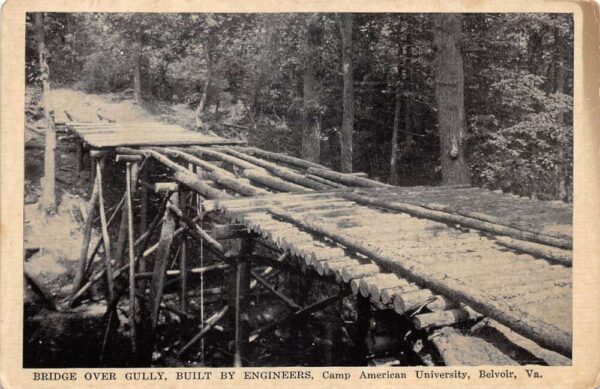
(441, 256)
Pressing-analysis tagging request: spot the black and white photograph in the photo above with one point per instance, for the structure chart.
(300, 189)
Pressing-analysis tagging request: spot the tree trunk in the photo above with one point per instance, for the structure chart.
(393, 179)
(208, 47)
(345, 23)
(561, 83)
(263, 61)
(449, 93)
(137, 70)
(48, 198)
(311, 123)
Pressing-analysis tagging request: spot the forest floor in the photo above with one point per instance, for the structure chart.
(53, 335)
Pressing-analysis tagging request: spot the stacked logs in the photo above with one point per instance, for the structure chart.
(261, 178)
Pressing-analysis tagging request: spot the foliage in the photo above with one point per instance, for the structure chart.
(518, 84)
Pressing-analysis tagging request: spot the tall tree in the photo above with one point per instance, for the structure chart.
(345, 22)
(311, 121)
(48, 199)
(449, 94)
(137, 68)
(208, 47)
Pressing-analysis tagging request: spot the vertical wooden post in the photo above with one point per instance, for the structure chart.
(132, 329)
(363, 312)
(240, 300)
(105, 235)
(79, 160)
(87, 234)
(122, 235)
(161, 261)
(133, 172)
(183, 256)
(143, 225)
(92, 169)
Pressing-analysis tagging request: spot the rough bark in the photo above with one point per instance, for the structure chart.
(345, 24)
(137, 70)
(261, 177)
(346, 179)
(311, 121)
(561, 78)
(48, 198)
(208, 47)
(449, 93)
(295, 162)
(393, 180)
(285, 173)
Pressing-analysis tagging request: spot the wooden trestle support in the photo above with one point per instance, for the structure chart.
(199, 174)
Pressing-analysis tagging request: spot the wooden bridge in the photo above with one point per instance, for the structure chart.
(443, 258)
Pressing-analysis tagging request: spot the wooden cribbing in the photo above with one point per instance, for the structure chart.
(350, 273)
(376, 288)
(355, 286)
(346, 179)
(336, 267)
(445, 318)
(368, 283)
(280, 157)
(407, 301)
(387, 295)
(442, 303)
(545, 334)
(319, 265)
(462, 220)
